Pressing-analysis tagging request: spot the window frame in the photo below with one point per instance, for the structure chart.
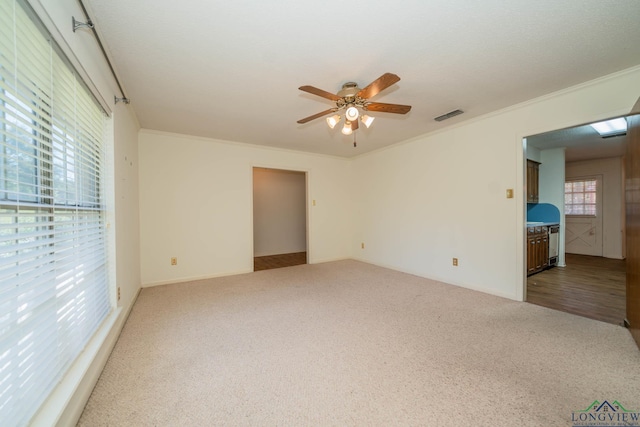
(584, 181)
(49, 225)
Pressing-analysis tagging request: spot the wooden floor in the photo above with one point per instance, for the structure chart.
(588, 286)
(279, 261)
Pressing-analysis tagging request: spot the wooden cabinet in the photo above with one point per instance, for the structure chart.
(537, 249)
(532, 181)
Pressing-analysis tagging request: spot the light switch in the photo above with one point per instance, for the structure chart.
(509, 193)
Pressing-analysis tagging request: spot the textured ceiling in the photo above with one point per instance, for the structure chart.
(580, 143)
(230, 70)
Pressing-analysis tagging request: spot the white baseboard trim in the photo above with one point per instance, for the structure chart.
(193, 278)
(441, 280)
(323, 260)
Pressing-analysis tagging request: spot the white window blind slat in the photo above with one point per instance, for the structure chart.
(6, 77)
(54, 281)
(39, 278)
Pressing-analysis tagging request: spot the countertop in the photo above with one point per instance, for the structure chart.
(540, 224)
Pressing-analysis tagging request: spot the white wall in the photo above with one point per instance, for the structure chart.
(533, 153)
(66, 403)
(279, 212)
(420, 203)
(196, 205)
(612, 200)
(551, 189)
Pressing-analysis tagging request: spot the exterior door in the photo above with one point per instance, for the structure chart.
(583, 233)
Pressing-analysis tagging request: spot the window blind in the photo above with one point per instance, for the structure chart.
(54, 282)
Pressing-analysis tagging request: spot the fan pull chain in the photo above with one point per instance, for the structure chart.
(354, 140)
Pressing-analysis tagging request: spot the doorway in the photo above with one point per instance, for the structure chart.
(591, 280)
(279, 218)
(584, 232)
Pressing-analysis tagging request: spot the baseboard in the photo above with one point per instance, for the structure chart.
(323, 260)
(193, 278)
(442, 280)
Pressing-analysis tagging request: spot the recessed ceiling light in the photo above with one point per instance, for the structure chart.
(611, 127)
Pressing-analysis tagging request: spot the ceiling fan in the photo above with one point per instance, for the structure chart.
(351, 98)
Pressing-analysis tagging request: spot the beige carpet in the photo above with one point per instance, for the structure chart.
(347, 343)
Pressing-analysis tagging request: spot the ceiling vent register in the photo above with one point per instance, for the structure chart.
(448, 115)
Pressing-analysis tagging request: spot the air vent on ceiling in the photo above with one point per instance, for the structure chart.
(448, 115)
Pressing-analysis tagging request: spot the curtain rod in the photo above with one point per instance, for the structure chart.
(89, 24)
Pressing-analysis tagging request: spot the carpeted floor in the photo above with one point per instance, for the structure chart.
(347, 343)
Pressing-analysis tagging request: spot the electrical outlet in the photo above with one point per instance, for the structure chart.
(174, 261)
(362, 245)
(118, 293)
(314, 203)
(455, 262)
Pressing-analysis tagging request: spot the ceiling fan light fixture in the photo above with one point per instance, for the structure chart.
(352, 113)
(367, 120)
(351, 99)
(333, 121)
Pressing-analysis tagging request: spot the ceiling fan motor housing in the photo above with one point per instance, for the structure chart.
(349, 96)
(349, 90)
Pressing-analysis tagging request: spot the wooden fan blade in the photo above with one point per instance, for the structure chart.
(388, 108)
(378, 85)
(315, 116)
(319, 92)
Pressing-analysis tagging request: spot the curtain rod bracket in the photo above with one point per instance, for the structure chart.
(78, 24)
(123, 99)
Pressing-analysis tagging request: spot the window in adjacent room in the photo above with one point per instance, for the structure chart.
(580, 197)
(55, 289)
